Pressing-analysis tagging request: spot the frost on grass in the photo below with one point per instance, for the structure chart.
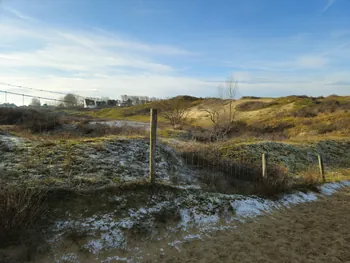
(98, 162)
(102, 232)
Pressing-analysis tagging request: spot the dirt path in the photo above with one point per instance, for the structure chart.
(313, 232)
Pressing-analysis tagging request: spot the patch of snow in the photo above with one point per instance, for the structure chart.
(67, 258)
(251, 207)
(297, 198)
(185, 217)
(186, 187)
(346, 183)
(192, 237)
(10, 142)
(94, 246)
(201, 219)
(330, 188)
(109, 259)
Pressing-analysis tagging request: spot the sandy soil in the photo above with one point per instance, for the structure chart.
(313, 232)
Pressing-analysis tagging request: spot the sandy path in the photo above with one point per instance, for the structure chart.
(313, 232)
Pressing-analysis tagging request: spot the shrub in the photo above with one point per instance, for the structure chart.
(304, 113)
(250, 98)
(322, 128)
(261, 128)
(34, 120)
(100, 129)
(254, 105)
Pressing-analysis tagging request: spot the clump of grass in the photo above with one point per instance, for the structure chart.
(311, 176)
(21, 213)
(277, 181)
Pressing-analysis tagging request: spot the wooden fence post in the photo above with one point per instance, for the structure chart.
(152, 145)
(321, 166)
(264, 169)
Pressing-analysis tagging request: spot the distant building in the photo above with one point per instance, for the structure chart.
(101, 103)
(89, 103)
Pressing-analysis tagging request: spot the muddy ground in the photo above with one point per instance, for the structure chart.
(311, 232)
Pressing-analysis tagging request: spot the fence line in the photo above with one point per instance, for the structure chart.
(41, 90)
(208, 160)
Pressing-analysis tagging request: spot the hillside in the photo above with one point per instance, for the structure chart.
(286, 117)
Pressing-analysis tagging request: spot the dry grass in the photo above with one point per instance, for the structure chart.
(311, 176)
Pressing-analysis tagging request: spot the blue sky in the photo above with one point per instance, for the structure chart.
(166, 48)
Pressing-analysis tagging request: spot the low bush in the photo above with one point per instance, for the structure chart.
(250, 98)
(247, 180)
(262, 128)
(98, 129)
(322, 128)
(254, 105)
(34, 120)
(304, 113)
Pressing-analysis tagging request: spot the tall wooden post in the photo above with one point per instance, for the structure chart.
(152, 145)
(264, 168)
(321, 165)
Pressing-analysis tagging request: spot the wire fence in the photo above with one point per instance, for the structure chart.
(22, 96)
(80, 153)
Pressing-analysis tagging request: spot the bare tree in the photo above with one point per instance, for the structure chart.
(218, 114)
(214, 110)
(35, 102)
(231, 88)
(175, 110)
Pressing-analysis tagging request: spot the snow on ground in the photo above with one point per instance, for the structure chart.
(204, 213)
(8, 142)
(124, 123)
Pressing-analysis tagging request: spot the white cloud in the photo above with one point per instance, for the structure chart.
(86, 62)
(100, 63)
(18, 14)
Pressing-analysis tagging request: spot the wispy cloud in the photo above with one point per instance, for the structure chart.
(328, 5)
(311, 62)
(94, 62)
(19, 14)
